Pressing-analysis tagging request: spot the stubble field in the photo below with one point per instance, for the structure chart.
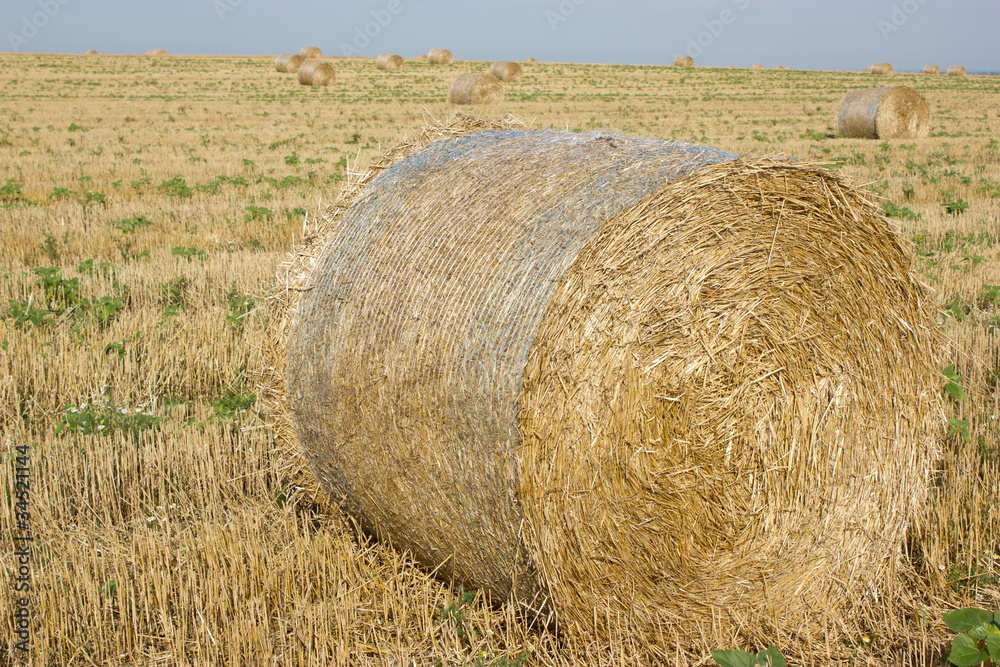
(146, 205)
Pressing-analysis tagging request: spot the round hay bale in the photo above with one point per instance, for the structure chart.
(756, 66)
(156, 52)
(91, 52)
(956, 70)
(778, 67)
(622, 379)
(316, 73)
(506, 70)
(683, 61)
(310, 52)
(422, 56)
(868, 70)
(881, 69)
(288, 63)
(476, 89)
(388, 62)
(883, 113)
(530, 60)
(932, 69)
(440, 57)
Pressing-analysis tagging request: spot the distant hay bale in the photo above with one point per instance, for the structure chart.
(683, 61)
(956, 70)
(530, 60)
(756, 66)
(881, 69)
(91, 52)
(310, 52)
(883, 113)
(476, 89)
(316, 73)
(506, 70)
(288, 63)
(778, 67)
(868, 70)
(440, 57)
(388, 62)
(932, 69)
(619, 378)
(422, 56)
(156, 52)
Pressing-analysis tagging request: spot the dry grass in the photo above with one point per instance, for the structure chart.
(897, 112)
(316, 73)
(246, 568)
(476, 89)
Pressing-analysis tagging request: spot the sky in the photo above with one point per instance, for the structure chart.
(805, 34)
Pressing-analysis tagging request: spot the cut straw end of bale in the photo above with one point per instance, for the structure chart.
(477, 89)
(310, 52)
(506, 70)
(683, 61)
(880, 69)
(288, 63)
(621, 377)
(440, 57)
(883, 113)
(956, 70)
(388, 62)
(316, 73)
(932, 69)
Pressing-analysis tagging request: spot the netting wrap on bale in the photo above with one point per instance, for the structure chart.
(644, 384)
(883, 113)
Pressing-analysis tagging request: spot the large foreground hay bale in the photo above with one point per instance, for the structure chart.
(644, 384)
(288, 63)
(956, 70)
(932, 69)
(440, 57)
(310, 52)
(388, 62)
(683, 61)
(880, 69)
(156, 52)
(317, 73)
(476, 89)
(883, 113)
(506, 70)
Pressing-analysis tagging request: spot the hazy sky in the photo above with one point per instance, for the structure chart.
(806, 34)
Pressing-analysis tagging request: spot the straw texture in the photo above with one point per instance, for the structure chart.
(316, 73)
(683, 61)
(883, 113)
(310, 52)
(932, 69)
(621, 379)
(506, 70)
(388, 62)
(440, 56)
(288, 63)
(478, 89)
(956, 70)
(881, 69)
